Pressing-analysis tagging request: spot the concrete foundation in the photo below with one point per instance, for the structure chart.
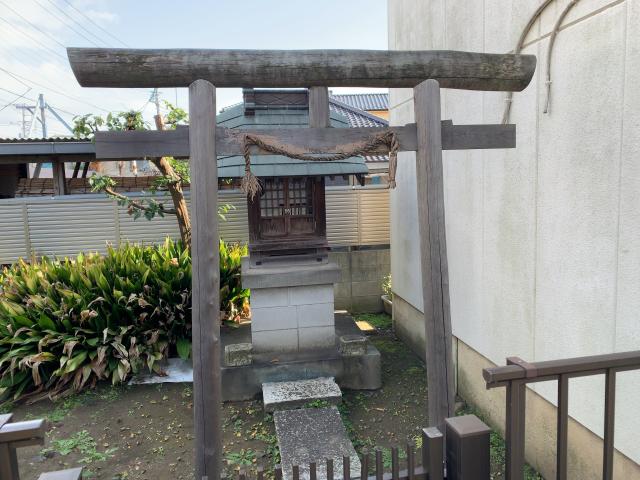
(355, 372)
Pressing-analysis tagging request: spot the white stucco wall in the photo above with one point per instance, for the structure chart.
(543, 240)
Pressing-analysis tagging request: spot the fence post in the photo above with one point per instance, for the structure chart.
(8, 463)
(468, 455)
(432, 452)
(515, 427)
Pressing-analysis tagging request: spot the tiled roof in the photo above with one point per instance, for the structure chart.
(356, 117)
(359, 118)
(45, 140)
(364, 101)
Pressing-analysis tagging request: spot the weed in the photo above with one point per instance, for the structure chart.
(387, 345)
(386, 456)
(62, 408)
(243, 458)
(187, 392)
(318, 403)
(83, 443)
(158, 451)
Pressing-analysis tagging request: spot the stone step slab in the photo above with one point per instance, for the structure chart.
(298, 393)
(312, 435)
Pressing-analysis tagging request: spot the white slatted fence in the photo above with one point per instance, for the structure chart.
(67, 225)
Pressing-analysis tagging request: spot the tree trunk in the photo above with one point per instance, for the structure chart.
(175, 189)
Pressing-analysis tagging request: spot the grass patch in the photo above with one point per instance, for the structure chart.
(388, 345)
(62, 408)
(83, 443)
(380, 321)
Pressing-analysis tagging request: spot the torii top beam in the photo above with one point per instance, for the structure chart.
(142, 68)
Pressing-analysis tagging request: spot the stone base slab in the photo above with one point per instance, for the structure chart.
(288, 395)
(313, 435)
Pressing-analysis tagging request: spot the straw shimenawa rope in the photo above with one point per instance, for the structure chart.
(251, 186)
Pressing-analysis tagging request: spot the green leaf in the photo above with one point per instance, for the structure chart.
(75, 362)
(46, 323)
(183, 346)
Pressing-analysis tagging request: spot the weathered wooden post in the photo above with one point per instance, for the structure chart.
(319, 107)
(207, 384)
(433, 248)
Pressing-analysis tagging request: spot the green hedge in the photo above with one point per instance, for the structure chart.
(66, 324)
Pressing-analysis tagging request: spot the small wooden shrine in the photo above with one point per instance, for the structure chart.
(288, 270)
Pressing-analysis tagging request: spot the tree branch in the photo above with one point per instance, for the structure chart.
(135, 204)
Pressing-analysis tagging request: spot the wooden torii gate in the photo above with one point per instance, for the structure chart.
(424, 71)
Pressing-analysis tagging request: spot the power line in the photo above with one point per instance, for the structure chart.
(15, 77)
(53, 90)
(15, 100)
(73, 20)
(94, 23)
(32, 38)
(35, 55)
(34, 26)
(16, 93)
(30, 66)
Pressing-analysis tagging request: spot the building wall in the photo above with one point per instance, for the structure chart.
(363, 272)
(543, 240)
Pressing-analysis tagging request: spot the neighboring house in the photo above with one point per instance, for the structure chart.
(543, 240)
(376, 104)
(366, 110)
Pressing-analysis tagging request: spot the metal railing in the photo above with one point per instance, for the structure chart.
(518, 373)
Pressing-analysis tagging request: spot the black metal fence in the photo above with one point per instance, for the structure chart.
(464, 455)
(518, 373)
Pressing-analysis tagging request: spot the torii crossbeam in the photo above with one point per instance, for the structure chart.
(202, 142)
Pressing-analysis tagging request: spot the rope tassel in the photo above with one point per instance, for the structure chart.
(250, 184)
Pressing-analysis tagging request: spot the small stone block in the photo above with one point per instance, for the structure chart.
(238, 354)
(353, 345)
(287, 395)
(71, 474)
(313, 435)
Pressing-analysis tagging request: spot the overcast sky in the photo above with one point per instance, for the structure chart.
(33, 34)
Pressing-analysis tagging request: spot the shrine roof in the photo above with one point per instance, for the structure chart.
(279, 166)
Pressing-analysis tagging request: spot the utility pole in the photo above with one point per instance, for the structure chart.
(33, 114)
(43, 117)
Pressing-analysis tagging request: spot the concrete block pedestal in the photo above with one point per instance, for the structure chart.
(292, 305)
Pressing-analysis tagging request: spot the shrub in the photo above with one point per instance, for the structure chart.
(233, 298)
(65, 324)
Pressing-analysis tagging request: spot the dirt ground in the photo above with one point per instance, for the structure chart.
(146, 432)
